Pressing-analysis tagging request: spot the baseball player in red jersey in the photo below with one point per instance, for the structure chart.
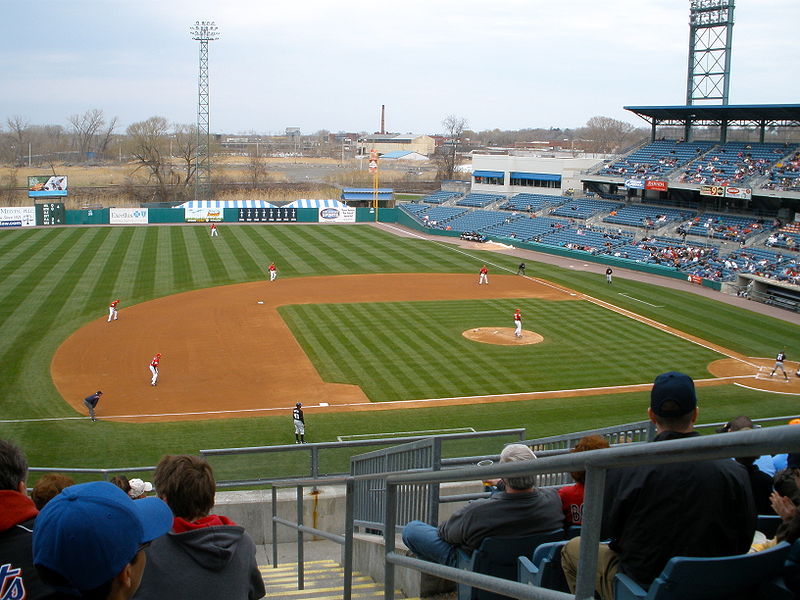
(484, 277)
(517, 323)
(273, 271)
(154, 368)
(214, 231)
(112, 310)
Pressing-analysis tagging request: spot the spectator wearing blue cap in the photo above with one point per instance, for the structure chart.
(654, 512)
(89, 540)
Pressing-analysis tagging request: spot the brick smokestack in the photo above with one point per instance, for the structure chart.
(383, 118)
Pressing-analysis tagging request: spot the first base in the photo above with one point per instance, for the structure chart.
(260, 302)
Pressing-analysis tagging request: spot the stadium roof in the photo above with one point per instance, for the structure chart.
(771, 114)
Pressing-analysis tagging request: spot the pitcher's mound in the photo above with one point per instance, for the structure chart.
(503, 336)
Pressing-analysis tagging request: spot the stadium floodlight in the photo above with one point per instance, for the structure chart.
(203, 32)
(710, 39)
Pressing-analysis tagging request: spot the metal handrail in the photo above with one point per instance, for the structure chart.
(595, 463)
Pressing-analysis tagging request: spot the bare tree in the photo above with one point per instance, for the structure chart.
(256, 169)
(446, 156)
(20, 135)
(148, 145)
(104, 137)
(185, 151)
(85, 127)
(608, 135)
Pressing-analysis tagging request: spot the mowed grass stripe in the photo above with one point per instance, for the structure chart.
(208, 267)
(105, 280)
(289, 256)
(182, 275)
(338, 259)
(145, 281)
(246, 252)
(613, 351)
(23, 271)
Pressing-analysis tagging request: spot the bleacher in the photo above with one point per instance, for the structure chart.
(476, 200)
(655, 159)
(786, 237)
(638, 215)
(785, 175)
(527, 228)
(413, 208)
(726, 227)
(440, 197)
(584, 208)
(588, 240)
(440, 214)
(477, 220)
(733, 163)
(533, 202)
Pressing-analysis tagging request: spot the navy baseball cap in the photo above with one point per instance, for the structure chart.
(89, 532)
(673, 395)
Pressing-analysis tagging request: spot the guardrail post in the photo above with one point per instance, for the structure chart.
(300, 557)
(314, 462)
(433, 488)
(388, 539)
(347, 588)
(274, 527)
(590, 531)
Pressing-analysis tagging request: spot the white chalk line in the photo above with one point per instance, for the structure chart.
(747, 387)
(642, 301)
(534, 394)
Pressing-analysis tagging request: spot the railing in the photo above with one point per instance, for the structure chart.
(595, 463)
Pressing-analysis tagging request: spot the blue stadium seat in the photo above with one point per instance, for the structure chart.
(543, 569)
(724, 578)
(497, 556)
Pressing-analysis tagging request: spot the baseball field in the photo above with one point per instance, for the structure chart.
(371, 331)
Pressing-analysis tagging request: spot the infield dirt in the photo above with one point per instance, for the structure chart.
(227, 353)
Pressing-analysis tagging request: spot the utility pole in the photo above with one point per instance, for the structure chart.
(203, 32)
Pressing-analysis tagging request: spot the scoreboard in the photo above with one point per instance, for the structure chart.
(267, 215)
(50, 213)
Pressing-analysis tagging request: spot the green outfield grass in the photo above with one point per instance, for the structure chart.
(52, 281)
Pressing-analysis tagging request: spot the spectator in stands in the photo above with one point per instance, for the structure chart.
(89, 540)
(204, 555)
(518, 511)
(48, 487)
(572, 495)
(139, 488)
(122, 482)
(760, 482)
(17, 515)
(654, 512)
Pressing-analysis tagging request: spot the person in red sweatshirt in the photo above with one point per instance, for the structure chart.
(18, 576)
(204, 555)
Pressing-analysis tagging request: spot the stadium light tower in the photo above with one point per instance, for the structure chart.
(710, 35)
(203, 32)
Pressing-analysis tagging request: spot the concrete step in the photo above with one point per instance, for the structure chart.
(323, 580)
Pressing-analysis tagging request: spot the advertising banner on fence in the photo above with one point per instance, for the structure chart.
(342, 214)
(202, 215)
(737, 192)
(634, 184)
(47, 186)
(655, 184)
(17, 216)
(127, 216)
(712, 190)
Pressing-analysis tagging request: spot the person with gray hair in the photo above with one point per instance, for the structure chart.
(519, 510)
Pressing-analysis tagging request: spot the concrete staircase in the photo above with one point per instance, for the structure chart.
(323, 580)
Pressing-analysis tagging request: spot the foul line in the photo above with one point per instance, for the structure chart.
(532, 395)
(747, 387)
(642, 301)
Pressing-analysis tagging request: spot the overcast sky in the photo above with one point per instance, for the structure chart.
(321, 64)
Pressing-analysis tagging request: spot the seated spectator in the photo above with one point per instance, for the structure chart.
(139, 489)
(121, 481)
(572, 495)
(785, 500)
(89, 540)
(760, 482)
(17, 517)
(654, 512)
(49, 486)
(203, 556)
(519, 510)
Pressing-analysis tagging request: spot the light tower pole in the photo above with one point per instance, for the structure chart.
(203, 32)
(710, 38)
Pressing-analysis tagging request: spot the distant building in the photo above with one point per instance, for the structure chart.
(391, 142)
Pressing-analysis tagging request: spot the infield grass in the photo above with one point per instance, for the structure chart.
(52, 281)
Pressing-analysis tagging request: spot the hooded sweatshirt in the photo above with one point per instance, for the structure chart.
(18, 576)
(211, 558)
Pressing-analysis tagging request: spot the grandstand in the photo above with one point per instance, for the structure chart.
(648, 216)
(476, 200)
(727, 227)
(440, 197)
(655, 160)
(584, 208)
(533, 202)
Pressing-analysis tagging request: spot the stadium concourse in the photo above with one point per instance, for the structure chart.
(189, 389)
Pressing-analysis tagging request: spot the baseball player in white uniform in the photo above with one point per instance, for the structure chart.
(779, 365)
(517, 323)
(154, 368)
(299, 424)
(112, 311)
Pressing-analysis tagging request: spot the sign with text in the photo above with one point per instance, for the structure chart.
(50, 213)
(656, 184)
(202, 215)
(634, 184)
(267, 215)
(737, 192)
(43, 186)
(127, 216)
(712, 190)
(17, 216)
(342, 214)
